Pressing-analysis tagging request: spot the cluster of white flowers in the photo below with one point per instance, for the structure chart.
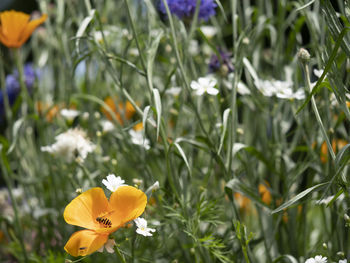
(280, 89)
(205, 85)
(71, 145)
(138, 139)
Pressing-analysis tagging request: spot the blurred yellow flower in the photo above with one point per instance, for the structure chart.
(15, 27)
(101, 217)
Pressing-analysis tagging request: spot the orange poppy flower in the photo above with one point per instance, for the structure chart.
(121, 110)
(15, 27)
(100, 217)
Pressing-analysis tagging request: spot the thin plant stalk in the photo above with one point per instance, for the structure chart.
(317, 115)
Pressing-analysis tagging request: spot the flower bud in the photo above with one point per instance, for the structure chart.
(304, 55)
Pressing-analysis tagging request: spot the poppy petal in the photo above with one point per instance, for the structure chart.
(85, 242)
(13, 23)
(86, 207)
(127, 203)
(30, 27)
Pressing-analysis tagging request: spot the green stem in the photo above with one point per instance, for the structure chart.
(8, 112)
(269, 259)
(27, 101)
(88, 6)
(318, 117)
(121, 257)
(135, 37)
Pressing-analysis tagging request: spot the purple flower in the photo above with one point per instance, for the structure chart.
(216, 62)
(13, 87)
(187, 8)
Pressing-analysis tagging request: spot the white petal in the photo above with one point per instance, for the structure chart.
(195, 85)
(212, 91)
(200, 91)
(109, 246)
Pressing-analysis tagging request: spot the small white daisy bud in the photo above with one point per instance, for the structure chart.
(114, 162)
(97, 115)
(85, 116)
(324, 245)
(79, 191)
(98, 134)
(304, 55)
(246, 41)
(168, 48)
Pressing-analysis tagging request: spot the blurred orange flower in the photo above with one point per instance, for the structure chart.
(265, 193)
(101, 217)
(243, 202)
(50, 111)
(15, 27)
(122, 111)
(337, 144)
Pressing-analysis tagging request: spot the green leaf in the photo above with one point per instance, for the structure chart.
(183, 155)
(298, 197)
(151, 54)
(15, 133)
(83, 26)
(224, 129)
(144, 116)
(334, 25)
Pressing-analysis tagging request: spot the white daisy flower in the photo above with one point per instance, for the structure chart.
(209, 31)
(142, 228)
(138, 139)
(107, 126)
(266, 87)
(69, 114)
(71, 145)
(343, 261)
(98, 36)
(317, 259)
(205, 85)
(113, 182)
